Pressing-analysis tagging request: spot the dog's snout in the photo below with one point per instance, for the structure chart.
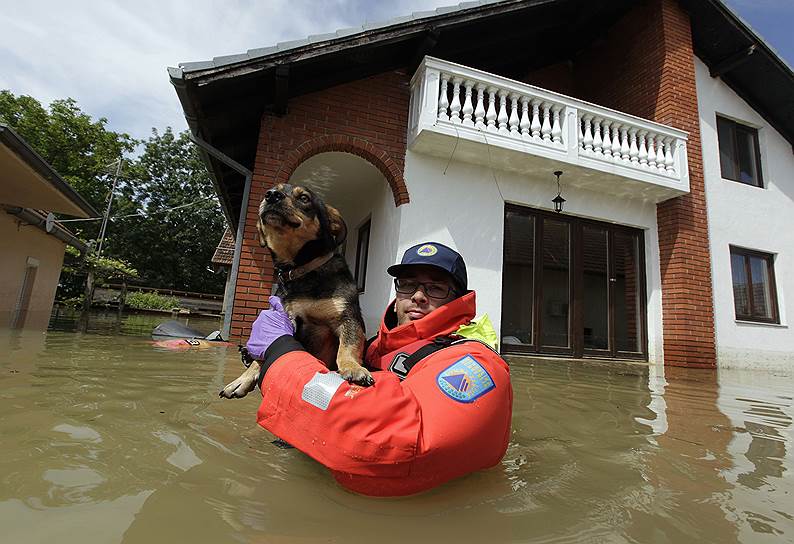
(273, 196)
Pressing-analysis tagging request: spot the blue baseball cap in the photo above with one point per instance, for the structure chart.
(437, 255)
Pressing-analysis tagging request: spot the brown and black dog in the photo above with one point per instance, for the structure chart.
(314, 283)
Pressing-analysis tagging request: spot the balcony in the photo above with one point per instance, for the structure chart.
(500, 123)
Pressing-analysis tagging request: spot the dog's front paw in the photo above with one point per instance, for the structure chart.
(242, 385)
(357, 374)
(238, 388)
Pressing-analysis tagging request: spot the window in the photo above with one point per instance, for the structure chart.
(25, 293)
(740, 158)
(362, 252)
(754, 294)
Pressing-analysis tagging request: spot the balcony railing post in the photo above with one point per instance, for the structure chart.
(571, 128)
(682, 164)
(430, 99)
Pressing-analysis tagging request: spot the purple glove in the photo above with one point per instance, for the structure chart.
(270, 325)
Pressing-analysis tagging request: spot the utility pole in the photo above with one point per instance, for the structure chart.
(107, 209)
(88, 294)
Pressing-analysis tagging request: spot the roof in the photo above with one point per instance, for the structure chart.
(744, 61)
(224, 253)
(224, 98)
(323, 39)
(26, 180)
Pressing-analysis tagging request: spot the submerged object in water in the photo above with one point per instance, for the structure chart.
(174, 335)
(175, 329)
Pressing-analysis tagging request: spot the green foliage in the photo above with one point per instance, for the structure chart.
(104, 268)
(73, 302)
(169, 249)
(172, 248)
(151, 301)
(107, 268)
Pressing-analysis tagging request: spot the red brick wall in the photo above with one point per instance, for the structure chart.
(367, 118)
(556, 77)
(646, 67)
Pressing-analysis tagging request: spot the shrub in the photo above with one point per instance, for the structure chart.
(73, 302)
(151, 301)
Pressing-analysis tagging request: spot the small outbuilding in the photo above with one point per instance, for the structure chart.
(31, 245)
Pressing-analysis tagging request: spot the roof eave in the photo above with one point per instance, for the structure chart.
(230, 66)
(29, 155)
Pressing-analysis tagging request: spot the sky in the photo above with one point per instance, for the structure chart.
(111, 55)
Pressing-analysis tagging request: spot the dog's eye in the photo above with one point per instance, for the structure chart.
(304, 198)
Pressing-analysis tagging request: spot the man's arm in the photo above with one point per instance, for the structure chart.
(449, 417)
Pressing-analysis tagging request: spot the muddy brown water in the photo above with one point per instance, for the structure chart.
(106, 438)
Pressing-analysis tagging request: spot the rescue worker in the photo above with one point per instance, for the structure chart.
(441, 404)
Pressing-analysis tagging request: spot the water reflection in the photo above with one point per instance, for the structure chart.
(108, 439)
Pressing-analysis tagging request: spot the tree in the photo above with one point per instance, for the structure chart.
(171, 248)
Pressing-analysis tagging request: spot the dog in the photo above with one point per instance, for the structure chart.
(314, 282)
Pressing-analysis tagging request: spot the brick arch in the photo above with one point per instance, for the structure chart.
(355, 146)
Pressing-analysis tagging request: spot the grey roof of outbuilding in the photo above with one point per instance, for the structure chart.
(24, 151)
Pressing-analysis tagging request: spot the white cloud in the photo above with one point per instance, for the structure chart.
(111, 56)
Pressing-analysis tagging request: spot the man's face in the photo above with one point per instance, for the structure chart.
(416, 305)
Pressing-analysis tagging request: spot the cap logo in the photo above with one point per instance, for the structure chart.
(427, 250)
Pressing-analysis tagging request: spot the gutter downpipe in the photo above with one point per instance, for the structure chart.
(37, 220)
(231, 285)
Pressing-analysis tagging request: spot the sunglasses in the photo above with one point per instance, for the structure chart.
(408, 286)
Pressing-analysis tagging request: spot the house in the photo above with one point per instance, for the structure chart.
(670, 123)
(32, 243)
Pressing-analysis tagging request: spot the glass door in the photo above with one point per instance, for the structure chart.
(518, 280)
(572, 286)
(629, 294)
(595, 290)
(555, 287)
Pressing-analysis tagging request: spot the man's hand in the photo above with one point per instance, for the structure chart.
(270, 325)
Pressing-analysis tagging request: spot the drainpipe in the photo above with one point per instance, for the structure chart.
(231, 286)
(35, 219)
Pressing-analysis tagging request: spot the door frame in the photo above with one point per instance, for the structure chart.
(576, 288)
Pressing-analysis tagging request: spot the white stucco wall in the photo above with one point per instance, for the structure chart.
(377, 203)
(750, 217)
(465, 210)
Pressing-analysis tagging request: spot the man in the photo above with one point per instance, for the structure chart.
(441, 404)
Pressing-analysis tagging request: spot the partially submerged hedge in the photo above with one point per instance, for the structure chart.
(151, 301)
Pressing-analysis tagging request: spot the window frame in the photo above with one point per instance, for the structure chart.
(361, 275)
(753, 131)
(770, 259)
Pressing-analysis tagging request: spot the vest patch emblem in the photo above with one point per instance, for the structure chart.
(465, 380)
(398, 365)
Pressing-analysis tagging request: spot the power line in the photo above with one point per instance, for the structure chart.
(141, 213)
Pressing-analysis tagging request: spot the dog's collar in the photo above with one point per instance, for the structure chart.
(290, 274)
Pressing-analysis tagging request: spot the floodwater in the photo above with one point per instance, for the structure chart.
(107, 438)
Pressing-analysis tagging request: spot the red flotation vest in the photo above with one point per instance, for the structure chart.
(449, 416)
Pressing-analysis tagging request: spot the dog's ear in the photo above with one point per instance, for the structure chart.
(260, 228)
(337, 225)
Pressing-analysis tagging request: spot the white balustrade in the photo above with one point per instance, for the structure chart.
(525, 118)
